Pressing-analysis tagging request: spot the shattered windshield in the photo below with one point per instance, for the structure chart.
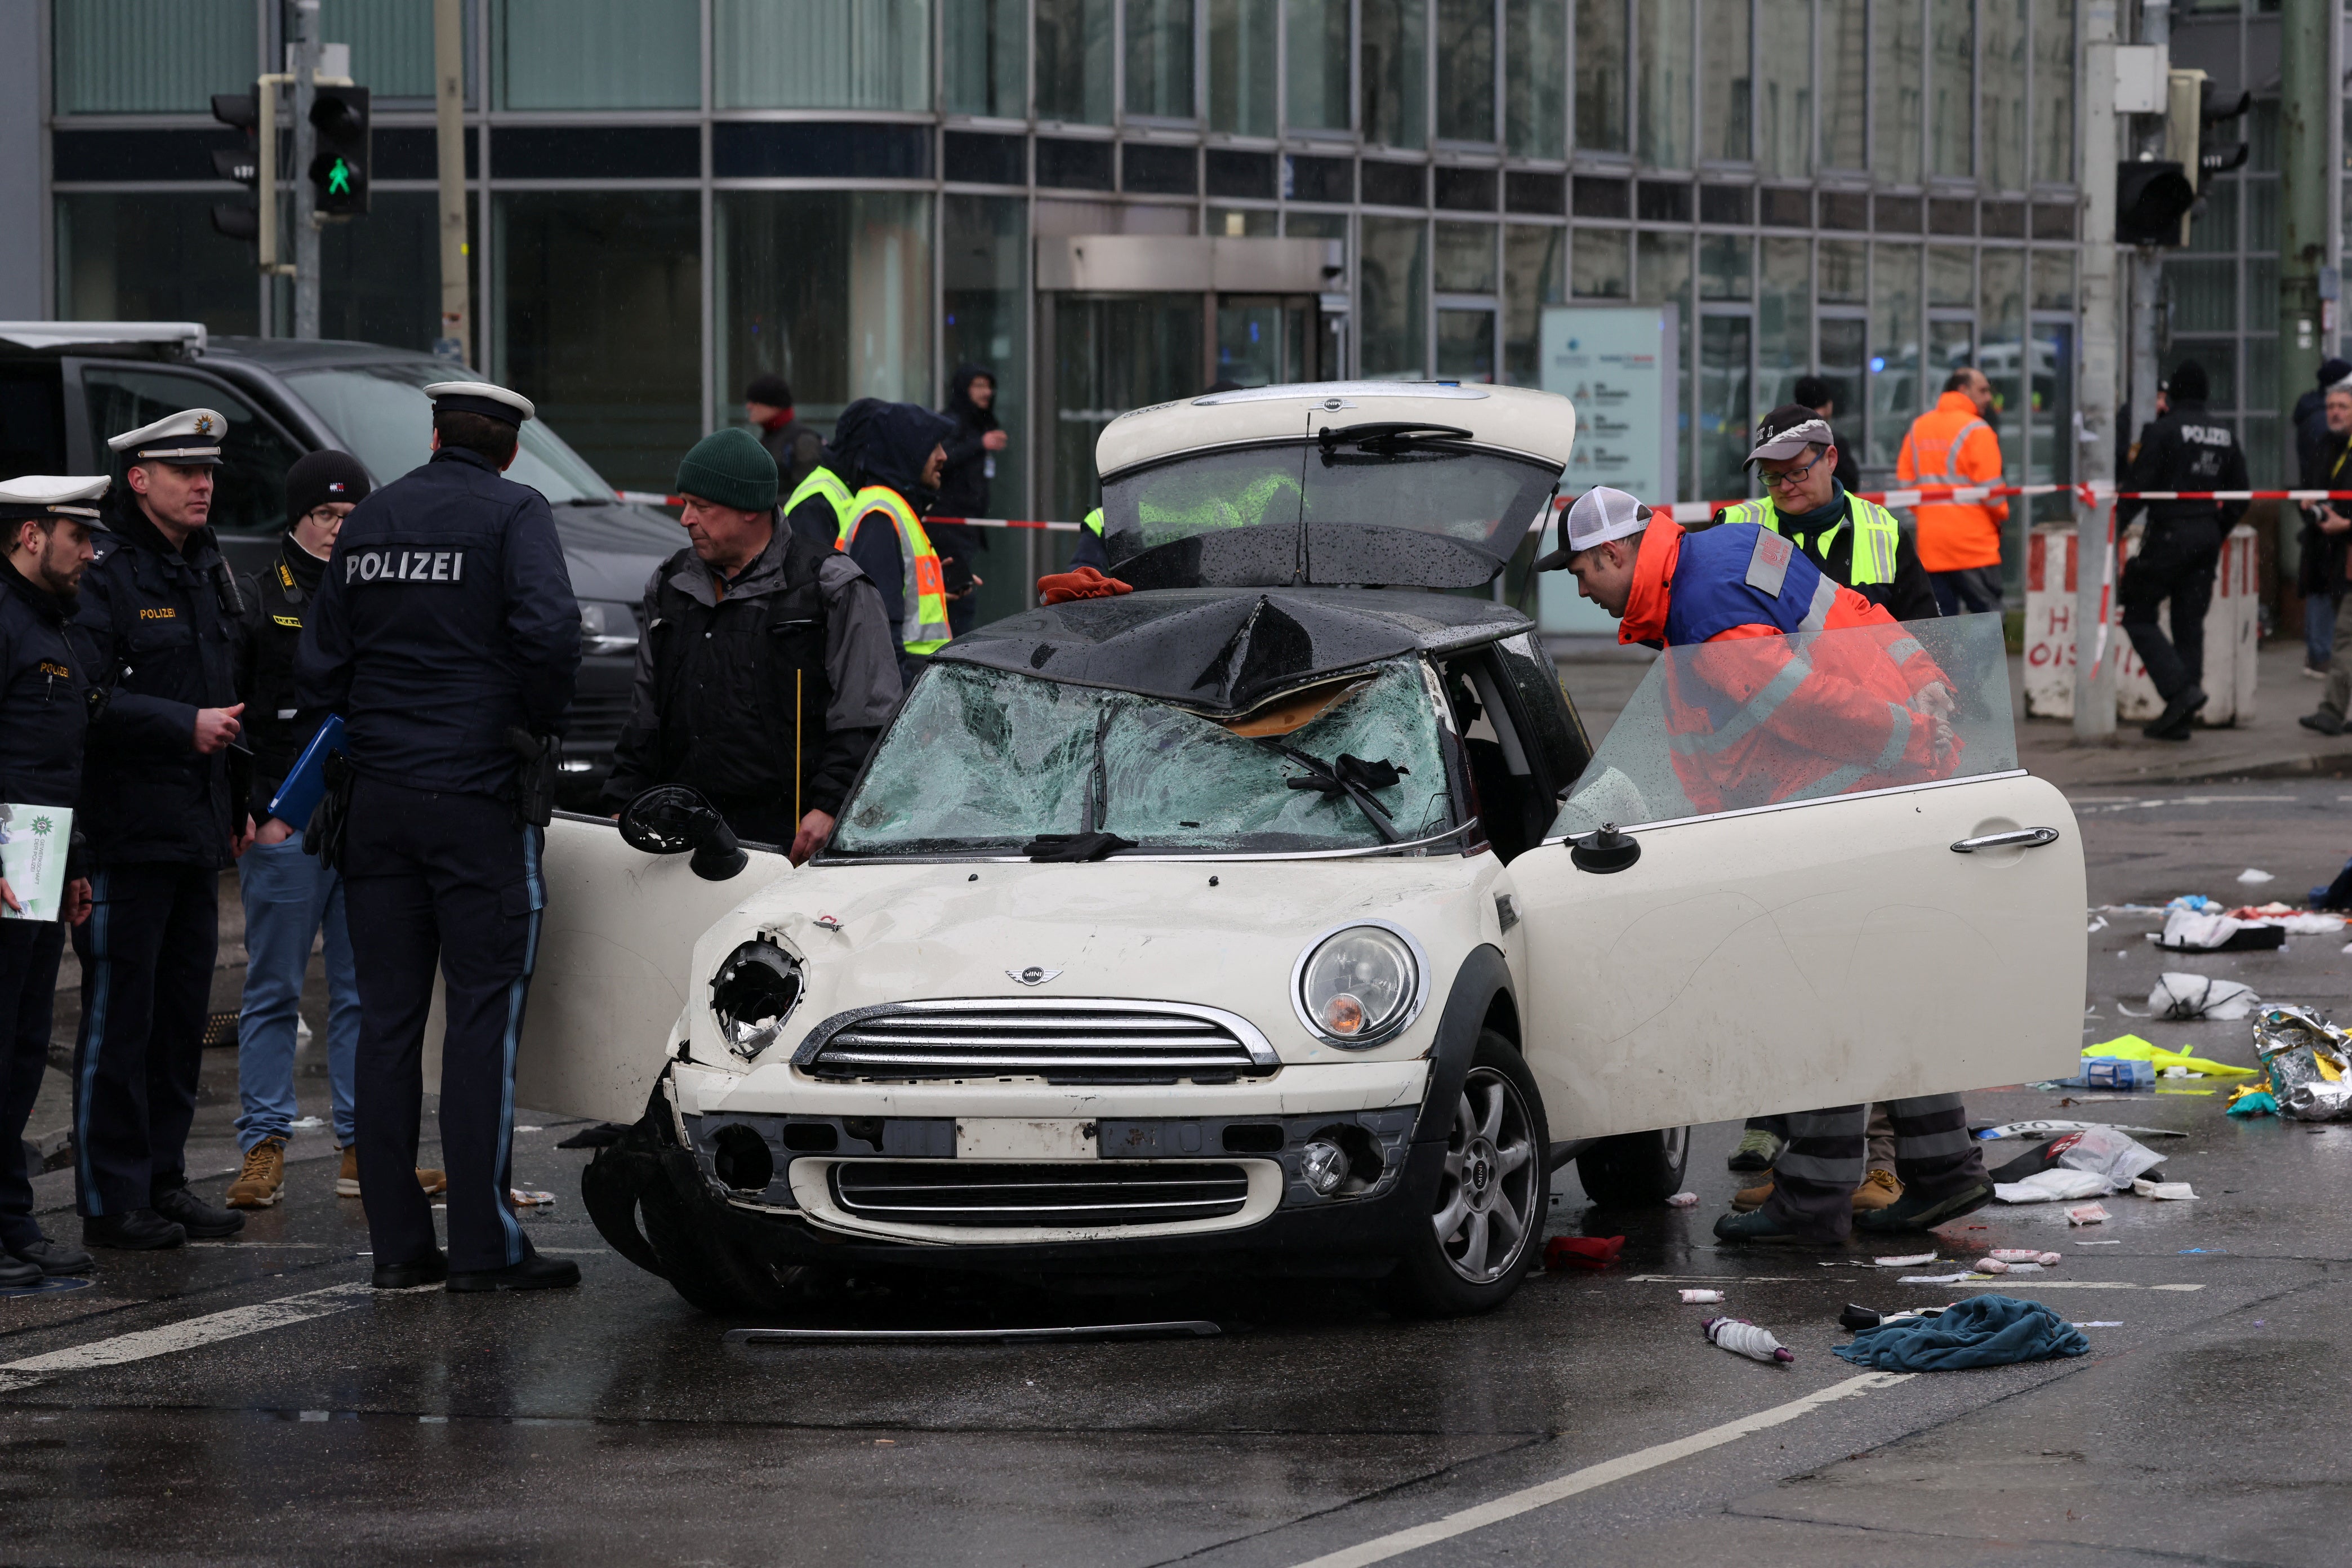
(983, 761)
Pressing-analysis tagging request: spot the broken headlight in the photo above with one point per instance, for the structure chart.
(1360, 985)
(753, 994)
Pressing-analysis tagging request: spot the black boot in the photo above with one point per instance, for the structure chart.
(533, 1273)
(16, 1274)
(141, 1230)
(2173, 723)
(2324, 722)
(200, 1218)
(430, 1269)
(53, 1257)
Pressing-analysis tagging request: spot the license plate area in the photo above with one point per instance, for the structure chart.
(1026, 1138)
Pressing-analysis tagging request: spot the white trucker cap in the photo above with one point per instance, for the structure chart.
(1600, 514)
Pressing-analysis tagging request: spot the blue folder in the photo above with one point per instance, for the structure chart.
(298, 798)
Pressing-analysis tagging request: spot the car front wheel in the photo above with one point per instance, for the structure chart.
(1488, 1209)
(1636, 1170)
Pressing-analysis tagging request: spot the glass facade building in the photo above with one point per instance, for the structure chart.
(672, 196)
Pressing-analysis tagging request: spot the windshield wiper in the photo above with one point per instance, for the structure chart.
(1352, 776)
(1386, 436)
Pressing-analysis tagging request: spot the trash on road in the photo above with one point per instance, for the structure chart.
(2115, 1073)
(1911, 1261)
(1701, 1298)
(2249, 1101)
(2187, 932)
(1744, 1338)
(2307, 1061)
(1582, 1251)
(2178, 995)
(1983, 1331)
(2047, 1128)
(2317, 1101)
(2287, 918)
(2174, 1192)
(2106, 1151)
(2197, 901)
(2088, 1214)
(1962, 1277)
(2024, 1255)
(2055, 1185)
(1682, 1201)
(2099, 1323)
(2251, 875)
(1857, 1316)
(2131, 1048)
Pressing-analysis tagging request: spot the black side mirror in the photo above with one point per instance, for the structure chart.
(671, 819)
(1605, 851)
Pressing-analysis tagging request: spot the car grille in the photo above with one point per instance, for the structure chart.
(1079, 1042)
(594, 721)
(1157, 1191)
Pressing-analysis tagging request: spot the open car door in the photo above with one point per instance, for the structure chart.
(615, 951)
(1900, 913)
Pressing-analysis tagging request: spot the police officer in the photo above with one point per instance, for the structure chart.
(445, 634)
(1855, 542)
(163, 813)
(2184, 449)
(43, 711)
(766, 669)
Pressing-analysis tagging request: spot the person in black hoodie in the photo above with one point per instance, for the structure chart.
(893, 453)
(963, 486)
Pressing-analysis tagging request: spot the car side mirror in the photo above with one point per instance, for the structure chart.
(1605, 851)
(671, 819)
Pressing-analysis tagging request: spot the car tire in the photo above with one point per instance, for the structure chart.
(1494, 1175)
(1634, 1170)
(702, 1268)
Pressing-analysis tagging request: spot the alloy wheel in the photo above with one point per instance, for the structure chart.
(1488, 1197)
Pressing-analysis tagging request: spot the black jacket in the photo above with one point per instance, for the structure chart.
(44, 695)
(159, 626)
(445, 618)
(268, 638)
(2326, 466)
(2187, 449)
(796, 449)
(964, 477)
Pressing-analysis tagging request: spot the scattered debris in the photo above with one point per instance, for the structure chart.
(2187, 932)
(2045, 1129)
(2101, 1323)
(2178, 995)
(2251, 875)
(1744, 1338)
(2057, 1185)
(1582, 1251)
(306, 1124)
(2098, 1244)
(1912, 1261)
(1701, 1298)
(1936, 1278)
(2088, 1214)
(2131, 1048)
(1990, 1329)
(2024, 1255)
(2176, 1192)
(2194, 902)
(1682, 1201)
(529, 1198)
(2308, 1062)
(2251, 1101)
(2099, 924)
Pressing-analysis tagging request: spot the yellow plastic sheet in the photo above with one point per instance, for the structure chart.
(2131, 1048)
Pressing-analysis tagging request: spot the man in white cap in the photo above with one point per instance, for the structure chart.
(445, 634)
(162, 813)
(44, 712)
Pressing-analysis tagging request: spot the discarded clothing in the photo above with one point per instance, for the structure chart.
(2179, 996)
(2188, 932)
(1983, 1331)
(2251, 1103)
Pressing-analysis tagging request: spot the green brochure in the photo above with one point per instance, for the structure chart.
(34, 840)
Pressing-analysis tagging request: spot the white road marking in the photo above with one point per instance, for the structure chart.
(210, 1328)
(1512, 1504)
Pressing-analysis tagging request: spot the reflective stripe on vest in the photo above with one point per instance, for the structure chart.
(823, 481)
(1875, 534)
(1952, 475)
(1092, 523)
(923, 584)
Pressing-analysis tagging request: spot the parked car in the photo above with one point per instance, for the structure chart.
(66, 386)
(1280, 915)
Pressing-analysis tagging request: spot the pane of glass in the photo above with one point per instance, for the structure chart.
(148, 56)
(2054, 279)
(2001, 355)
(2054, 92)
(1954, 116)
(1844, 367)
(1724, 102)
(1951, 276)
(1695, 738)
(180, 271)
(2003, 90)
(1250, 342)
(1535, 274)
(1899, 51)
(392, 43)
(611, 53)
(1784, 147)
(1466, 259)
(1723, 414)
(1159, 57)
(1112, 355)
(2262, 202)
(380, 279)
(1241, 66)
(1723, 266)
(985, 57)
(1602, 73)
(1845, 35)
(982, 241)
(2266, 464)
(249, 486)
(1074, 61)
(1784, 321)
(1394, 45)
(2215, 230)
(1243, 222)
(1600, 263)
(1950, 345)
(2052, 458)
(1896, 392)
(1845, 277)
(1465, 346)
(1393, 292)
(1662, 275)
(821, 54)
(1535, 78)
(1318, 63)
(1662, 50)
(830, 290)
(2204, 295)
(1466, 70)
(382, 415)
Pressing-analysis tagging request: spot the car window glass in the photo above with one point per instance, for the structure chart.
(984, 761)
(249, 486)
(1549, 726)
(386, 420)
(1723, 726)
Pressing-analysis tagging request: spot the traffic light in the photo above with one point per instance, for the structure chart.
(339, 171)
(2152, 201)
(239, 220)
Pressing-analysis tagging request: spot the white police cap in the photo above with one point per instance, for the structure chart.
(479, 397)
(36, 498)
(190, 438)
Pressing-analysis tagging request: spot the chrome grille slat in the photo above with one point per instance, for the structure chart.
(1061, 1040)
(1093, 1195)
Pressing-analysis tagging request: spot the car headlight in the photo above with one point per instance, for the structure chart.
(607, 627)
(753, 994)
(1360, 985)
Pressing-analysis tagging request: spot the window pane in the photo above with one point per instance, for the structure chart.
(1599, 264)
(392, 43)
(2054, 91)
(2204, 295)
(1724, 100)
(2051, 459)
(1843, 368)
(1535, 78)
(1465, 346)
(249, 497)
(150, 57)
(1845, 35)
(589, 281)
(1723, 266)
(1602, 73)
(153, 257)
(1954, 119)
(1392, 291)
(600, 54)
(1724, 412)
(1663, 276)
(2000, 355)
(984, 57)
(1466, 259)
(1846, 274)
(2003, 142)
(379, 280)
(1535, 274)
(1395, 43)
(1784, 146)
(1466, 70)
(1074, 61)
(819, 54)
(984, 298)
(1241, 66)
(1951, 276)
(1897, 396)
(1318, 63)
(1663, 57)
(1784, 321)
(2215, 230)
(2054, 279)
(1159, 57)
(1897, 51)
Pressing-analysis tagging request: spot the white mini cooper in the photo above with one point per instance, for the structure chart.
(1279, 915)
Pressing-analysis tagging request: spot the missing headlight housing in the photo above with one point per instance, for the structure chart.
(753, 994)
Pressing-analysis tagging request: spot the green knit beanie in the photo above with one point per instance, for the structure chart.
(730, 468)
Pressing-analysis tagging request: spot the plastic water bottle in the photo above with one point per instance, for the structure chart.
(2117, 1073)
(1744, 1338)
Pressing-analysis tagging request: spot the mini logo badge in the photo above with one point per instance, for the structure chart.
(1036, 974)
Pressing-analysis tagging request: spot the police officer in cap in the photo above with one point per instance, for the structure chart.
(445, 634)
(162, 813)
(43, 711)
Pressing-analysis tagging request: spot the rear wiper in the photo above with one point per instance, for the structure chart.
(1386, 436)
(1350, 776)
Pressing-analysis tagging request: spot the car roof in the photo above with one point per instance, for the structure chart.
(1227, 650)
(317, 353)
(1542, 424)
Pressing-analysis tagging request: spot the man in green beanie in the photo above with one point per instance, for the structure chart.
(767, 668)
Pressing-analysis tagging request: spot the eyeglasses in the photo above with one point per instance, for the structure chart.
(1789, 478)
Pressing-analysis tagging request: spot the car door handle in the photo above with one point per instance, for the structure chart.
(2018, 838)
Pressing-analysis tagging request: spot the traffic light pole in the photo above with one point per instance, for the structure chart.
(306, 142)
(449, 135)
(2304, 104)
(2148, 262)
(2094, 683)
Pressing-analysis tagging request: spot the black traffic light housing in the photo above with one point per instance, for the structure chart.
(2152, 195)
(338, 170)
(239, 220)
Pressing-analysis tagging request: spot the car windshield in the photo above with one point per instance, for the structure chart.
(386, 420)
(982, 762)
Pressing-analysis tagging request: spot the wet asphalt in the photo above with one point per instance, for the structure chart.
(611, 1423)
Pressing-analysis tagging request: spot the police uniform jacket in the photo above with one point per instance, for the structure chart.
(445, 618)
(2187, 449)
(768, 694)
(44, 695)
(268, 638)
(159, 625)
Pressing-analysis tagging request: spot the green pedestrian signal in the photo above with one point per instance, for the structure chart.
(338, 179)
(339, 171)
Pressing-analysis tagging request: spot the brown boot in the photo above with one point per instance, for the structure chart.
(347, 1185)
(262, 1182)
(1879, 1188)
(1747, 1200)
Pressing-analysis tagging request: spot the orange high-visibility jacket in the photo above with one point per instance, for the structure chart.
(1951, 444)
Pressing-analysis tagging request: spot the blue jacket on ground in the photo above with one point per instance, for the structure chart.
(1982, 1330)
(445, 618)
